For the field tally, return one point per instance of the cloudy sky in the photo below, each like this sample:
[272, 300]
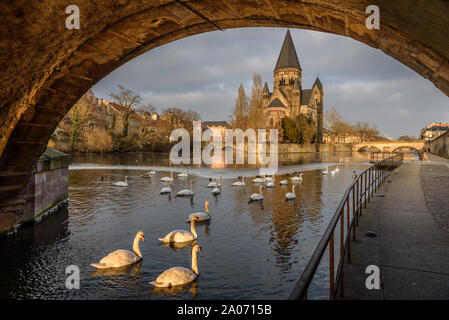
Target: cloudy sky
[203, 73]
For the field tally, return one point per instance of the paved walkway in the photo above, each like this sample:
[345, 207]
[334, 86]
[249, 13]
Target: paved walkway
[412, 243]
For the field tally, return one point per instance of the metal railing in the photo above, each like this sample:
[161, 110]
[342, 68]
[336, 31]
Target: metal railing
[379, 156]
[355, 198]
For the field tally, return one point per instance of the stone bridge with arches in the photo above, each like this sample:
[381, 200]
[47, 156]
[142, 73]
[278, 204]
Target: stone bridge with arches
[388, 146]
[45, 67]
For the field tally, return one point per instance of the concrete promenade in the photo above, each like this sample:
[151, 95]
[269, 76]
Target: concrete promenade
[411, 248]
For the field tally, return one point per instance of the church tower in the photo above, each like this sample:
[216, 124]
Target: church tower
[288, 98]
[288, 74]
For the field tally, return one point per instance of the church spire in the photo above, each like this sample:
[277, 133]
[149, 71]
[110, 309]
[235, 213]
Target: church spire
[288, 57]
[265, 88]
[318, 84]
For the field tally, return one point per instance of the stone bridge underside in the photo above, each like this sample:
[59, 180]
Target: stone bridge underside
[45, 68]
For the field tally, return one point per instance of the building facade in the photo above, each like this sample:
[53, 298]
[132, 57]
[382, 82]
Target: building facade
[433, 131]
[288, 98]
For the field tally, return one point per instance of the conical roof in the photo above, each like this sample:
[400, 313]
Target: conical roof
[288, 57]
[318, 84]
[265, 88]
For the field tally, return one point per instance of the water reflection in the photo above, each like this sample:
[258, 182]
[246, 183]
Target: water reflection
[132, 270]
[251, 251]
[177, 291]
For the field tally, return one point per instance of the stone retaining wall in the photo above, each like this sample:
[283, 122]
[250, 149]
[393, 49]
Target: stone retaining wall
[47, 190]
[439, 145]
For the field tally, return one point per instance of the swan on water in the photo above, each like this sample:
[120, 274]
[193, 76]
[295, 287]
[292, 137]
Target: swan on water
[239, 183]
[121, 183]
[201, 216]
[182, 235]
[215, 184]
[256, 196]
[176, 276]
[216, 191]
[269, 179]
[270, 184]
[183, 175]
[259, 180]
[168, 179]
[296, 178]
[186, 192]
[120, 258]
[152, 172]
[165, 190]
[283, 182]
[291, 195]
[337, 169]
[325, 171]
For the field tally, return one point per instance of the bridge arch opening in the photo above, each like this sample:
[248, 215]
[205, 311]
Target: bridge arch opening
[369, 149]
[50, 68]
[405, 149]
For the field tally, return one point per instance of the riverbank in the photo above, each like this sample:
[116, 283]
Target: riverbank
[411, 246]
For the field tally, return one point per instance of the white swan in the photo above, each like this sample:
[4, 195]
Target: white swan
[152, 172]
[216, 191]
[215, 184]
[182, 235]
[283, 182]
[259, 180]
[333, 172]
[325, 171]
[201, 216]
[256, 196]
[270, 184]
[183, 175]
[337, 169]
[121, 183]
[269, 179]
[165, 190]
[168, 179]
[296, 178]
[120, 258]
[176, 276]
[186, 192]
[291, 195]
[239, 183]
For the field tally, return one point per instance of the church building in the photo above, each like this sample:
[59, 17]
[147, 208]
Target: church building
[288, 98]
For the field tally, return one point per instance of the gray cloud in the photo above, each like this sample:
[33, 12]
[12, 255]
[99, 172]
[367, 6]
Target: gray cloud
[203, 73]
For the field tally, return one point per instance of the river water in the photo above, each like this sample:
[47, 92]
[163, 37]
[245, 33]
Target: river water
[249, 250]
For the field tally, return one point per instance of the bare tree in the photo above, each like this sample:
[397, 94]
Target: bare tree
[146, 108]
[255, 113]
[240, 113]
[127, 99]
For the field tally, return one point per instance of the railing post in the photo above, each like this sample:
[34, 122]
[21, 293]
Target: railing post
[348, 223]
[369, 184]
[354, 210]
[331, 267]
[342, 248]
[359, 197]
[364, 191]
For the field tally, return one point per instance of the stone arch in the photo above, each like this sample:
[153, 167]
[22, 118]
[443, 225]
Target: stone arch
[45, 68]
[405, 147]
[365, 148]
